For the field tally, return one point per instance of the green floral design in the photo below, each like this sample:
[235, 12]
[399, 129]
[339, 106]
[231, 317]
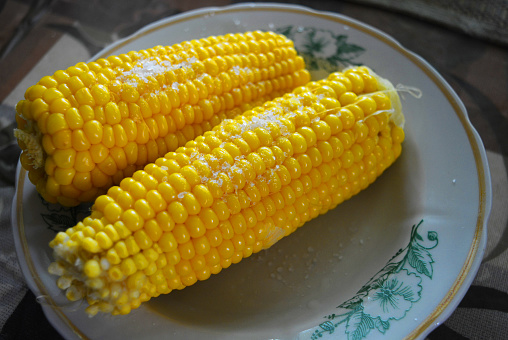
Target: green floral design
[322, 49]
[60, 218]
[388, 295]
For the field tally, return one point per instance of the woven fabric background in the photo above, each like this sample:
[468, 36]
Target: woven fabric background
[482, 19]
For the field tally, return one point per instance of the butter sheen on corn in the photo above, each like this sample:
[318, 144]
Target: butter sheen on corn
[232, 192]
[85, 128]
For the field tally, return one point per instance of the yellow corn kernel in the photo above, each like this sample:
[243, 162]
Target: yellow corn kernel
[128, 267]
[92, 269]
[142, 239]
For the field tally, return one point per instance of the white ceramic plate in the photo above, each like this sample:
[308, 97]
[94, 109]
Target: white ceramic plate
[337, 277]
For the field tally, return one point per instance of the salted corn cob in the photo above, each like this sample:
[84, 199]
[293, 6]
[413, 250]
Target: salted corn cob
[85, 128]
[232, 192]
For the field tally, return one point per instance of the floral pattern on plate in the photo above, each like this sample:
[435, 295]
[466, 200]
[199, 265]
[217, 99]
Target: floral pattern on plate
[59, 218]
[389, 294]
[322, 49]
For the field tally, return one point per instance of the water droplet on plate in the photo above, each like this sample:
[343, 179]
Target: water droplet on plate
[313, 304]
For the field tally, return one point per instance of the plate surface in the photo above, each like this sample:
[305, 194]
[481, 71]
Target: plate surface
[392, 262]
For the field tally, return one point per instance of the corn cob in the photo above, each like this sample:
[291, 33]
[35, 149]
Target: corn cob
[89, 126]
[232, 192]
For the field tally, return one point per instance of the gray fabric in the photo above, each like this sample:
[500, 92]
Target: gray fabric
[483, 19]
[12, 286]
